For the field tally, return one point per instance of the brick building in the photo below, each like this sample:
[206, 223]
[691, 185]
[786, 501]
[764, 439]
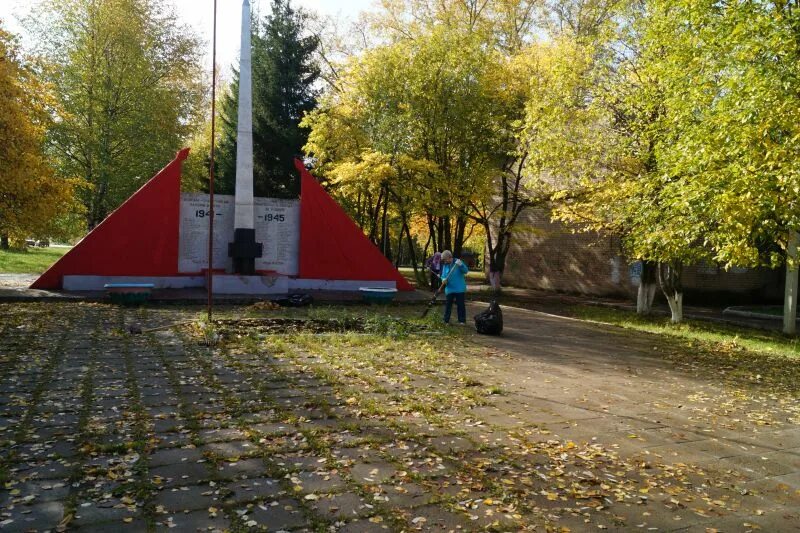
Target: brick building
[547, 255]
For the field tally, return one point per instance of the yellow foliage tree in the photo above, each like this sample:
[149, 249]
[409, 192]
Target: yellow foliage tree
[416, 128]
[32, 200]
[424, 125]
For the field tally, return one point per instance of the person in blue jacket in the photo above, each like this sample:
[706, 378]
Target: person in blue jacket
[455, 286]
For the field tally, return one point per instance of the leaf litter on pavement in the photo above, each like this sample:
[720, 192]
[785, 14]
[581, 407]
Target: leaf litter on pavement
[390, 424]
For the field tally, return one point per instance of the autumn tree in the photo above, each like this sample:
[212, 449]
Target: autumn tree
[426, 100]
[585, 20]
[284, 77]
[195, 172]
[510, 190]
[698, 119]
[33, 201]
[506, 25]
[506, 28]
[730, 74]
[442, 89]
[126, 75]
[359, 138]
[593, 128]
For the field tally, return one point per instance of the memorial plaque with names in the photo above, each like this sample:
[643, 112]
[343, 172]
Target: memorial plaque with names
[277, 225]
[193, 237]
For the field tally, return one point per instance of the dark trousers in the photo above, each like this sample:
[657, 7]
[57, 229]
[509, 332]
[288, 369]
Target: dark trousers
[435, 281]
[458, 297]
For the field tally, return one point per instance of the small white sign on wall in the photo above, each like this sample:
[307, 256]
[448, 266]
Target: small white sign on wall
[277, 225]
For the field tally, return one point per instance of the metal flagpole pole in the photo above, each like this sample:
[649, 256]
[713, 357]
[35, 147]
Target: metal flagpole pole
[210, 281]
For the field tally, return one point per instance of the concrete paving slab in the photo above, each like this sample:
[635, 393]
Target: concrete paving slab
[246, 490]
[197, 521]
[343, 506]
[188, 498]
[581, 406]
[278, 515]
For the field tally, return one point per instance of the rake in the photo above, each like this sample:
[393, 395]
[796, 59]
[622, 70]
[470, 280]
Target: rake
[438, 291]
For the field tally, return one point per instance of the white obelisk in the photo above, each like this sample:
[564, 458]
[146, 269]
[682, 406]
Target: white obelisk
[244, 249]
[244, 132]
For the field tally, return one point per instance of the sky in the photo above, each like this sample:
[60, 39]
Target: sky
[199, 15]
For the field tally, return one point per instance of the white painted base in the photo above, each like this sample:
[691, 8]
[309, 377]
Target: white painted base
[233, 284]
[97, 283]
[228, 283]
[337, 285]
[791, 286]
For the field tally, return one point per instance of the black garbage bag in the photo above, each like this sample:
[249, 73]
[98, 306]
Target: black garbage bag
[296, 300]
[490, 322]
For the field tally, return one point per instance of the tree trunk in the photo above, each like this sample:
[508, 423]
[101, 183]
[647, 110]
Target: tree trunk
[375, 214]
[790, 291]
[384, 243]
[360, 211]
[458, 237]
[497, 262]
[495, 280]
[98, 213]
[676, 307]
[501, 253]
[647, 288]
[431, 236]
[512, 204]
[4, 242]
[669, 277]
[424, 250]
[399, 256]
[411, 249]
[498, 251]
[491, 249]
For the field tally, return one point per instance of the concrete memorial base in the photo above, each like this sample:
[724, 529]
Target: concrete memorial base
[257, 285]
[301, 285]
[228, 284]
[97, 283]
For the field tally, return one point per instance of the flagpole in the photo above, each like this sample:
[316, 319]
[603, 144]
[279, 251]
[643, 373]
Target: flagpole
[210, 281]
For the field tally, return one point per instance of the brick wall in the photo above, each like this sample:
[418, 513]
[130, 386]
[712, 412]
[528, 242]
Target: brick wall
[547, 255]
[757, 284]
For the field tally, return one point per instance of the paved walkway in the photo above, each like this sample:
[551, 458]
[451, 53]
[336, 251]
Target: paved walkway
[585, 427]
[588, 383]
[17, 281]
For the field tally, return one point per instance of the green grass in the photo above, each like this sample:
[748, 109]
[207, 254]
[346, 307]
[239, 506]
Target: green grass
[772, 310]
[30, 261]
[712, 335]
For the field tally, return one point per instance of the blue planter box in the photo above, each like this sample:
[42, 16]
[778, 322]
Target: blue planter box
[129, 293]
[375, 295]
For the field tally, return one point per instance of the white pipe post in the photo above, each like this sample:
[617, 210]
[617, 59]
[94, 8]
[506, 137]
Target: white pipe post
[790, 291]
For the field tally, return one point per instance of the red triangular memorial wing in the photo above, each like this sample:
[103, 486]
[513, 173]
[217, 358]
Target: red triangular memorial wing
[332, 246]
[140, 238]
